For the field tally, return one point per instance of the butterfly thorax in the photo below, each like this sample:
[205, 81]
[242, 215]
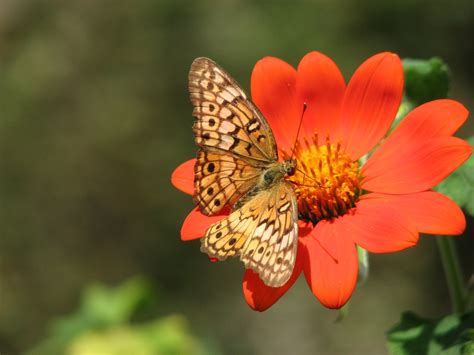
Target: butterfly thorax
[276, 172]
[271, 175]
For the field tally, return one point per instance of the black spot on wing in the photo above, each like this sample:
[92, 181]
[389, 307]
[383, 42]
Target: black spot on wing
[252, 125]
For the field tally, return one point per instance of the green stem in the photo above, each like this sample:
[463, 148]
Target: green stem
[452, 270]
[363, 256]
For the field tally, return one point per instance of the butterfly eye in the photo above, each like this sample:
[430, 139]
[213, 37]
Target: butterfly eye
[290, 170]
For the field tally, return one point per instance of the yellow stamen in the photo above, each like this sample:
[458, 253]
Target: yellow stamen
[326, 182]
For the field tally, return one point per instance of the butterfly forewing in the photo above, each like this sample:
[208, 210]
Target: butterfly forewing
[225, 118]
[263, 232]
[236, 142]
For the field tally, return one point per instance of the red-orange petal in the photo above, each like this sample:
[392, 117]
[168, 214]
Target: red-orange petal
[273, 91]
[321, 85]
[417, 166]
[196, 224]
[183, 177]
[379, 227]
[259, 296]
[434, 119]
[370, 103]
[331, 268]
[431, 212]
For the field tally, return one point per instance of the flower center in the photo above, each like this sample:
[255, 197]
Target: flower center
[326, 182]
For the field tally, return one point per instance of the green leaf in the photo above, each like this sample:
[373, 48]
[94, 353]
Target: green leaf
[415, 335]
[169, 335]
[101, 307]
[459, 186]
[104, 306]
[102, 326]
[112, 306]
[425, 80]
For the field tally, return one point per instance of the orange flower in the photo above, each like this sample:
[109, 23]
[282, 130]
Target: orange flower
[381, 205]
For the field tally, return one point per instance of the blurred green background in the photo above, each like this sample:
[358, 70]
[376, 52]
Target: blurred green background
[94, 116]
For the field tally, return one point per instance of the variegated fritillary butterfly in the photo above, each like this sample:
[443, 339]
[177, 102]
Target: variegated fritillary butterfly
[237, 166]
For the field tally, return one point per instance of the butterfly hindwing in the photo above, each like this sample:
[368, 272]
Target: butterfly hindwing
[271, 251]
[263, 232]
[225, 118]
[221, 179]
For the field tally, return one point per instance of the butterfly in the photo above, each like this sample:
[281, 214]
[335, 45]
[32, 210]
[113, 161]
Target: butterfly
[237, 168]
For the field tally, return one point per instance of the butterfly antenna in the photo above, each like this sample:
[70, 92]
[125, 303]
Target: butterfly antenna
[305, 106]
[309, 177]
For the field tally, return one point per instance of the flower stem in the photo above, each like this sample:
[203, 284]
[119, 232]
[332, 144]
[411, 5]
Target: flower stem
[452, 270]
[363, 275]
